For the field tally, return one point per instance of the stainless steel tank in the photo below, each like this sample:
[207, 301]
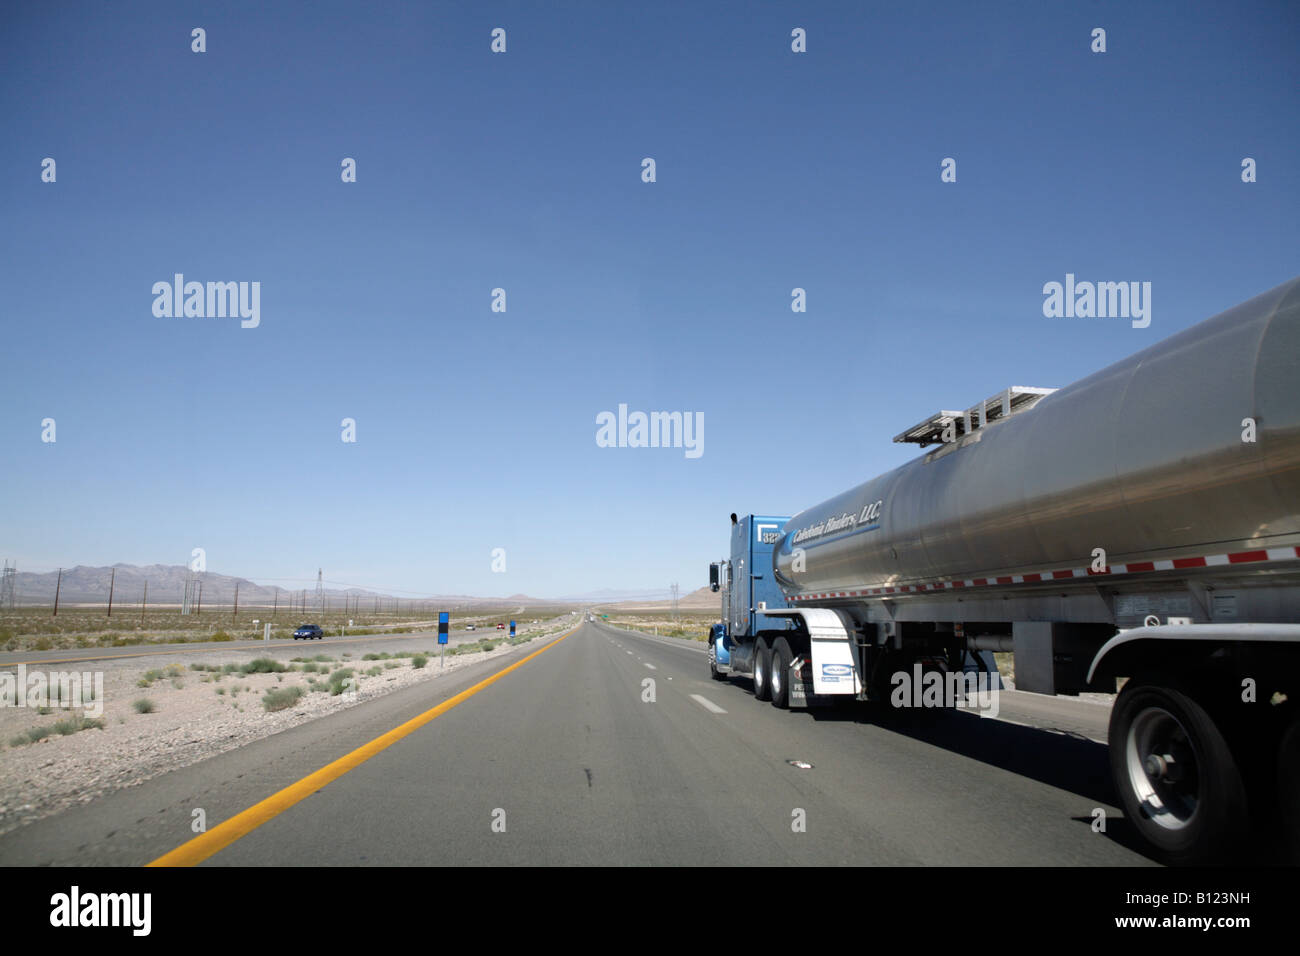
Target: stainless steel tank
[1144, 458]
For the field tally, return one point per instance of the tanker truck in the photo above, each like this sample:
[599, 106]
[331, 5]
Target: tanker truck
[1137, 531]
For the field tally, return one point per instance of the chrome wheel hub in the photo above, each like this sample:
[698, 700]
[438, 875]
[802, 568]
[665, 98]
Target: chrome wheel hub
[1162, 768]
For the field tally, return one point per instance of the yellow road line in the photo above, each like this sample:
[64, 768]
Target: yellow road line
[209, 646]
[241, 824]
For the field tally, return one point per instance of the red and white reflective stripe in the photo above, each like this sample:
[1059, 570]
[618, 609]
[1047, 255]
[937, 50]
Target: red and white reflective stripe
[1133, 567]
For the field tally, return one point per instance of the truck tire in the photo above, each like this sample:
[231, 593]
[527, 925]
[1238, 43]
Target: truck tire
[762, 671]
[1177, 780]
[780, 678]
[1288, 787]
[713, 664]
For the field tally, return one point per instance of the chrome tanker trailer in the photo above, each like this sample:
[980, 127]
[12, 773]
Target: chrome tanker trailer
[1142, 524]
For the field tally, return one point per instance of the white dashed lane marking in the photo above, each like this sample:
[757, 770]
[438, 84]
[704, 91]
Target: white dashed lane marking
[707, 704]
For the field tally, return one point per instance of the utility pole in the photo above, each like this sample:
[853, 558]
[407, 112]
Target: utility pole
[112, 579]
[276, 606]
[144, 600]
[9, 588]
[187, 600]
[235, 613]
[57, 586]
[199, 608]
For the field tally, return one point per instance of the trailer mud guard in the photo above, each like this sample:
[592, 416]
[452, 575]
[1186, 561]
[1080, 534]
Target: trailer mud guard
[830, 639]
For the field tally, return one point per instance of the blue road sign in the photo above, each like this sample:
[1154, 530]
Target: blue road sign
[443, 618]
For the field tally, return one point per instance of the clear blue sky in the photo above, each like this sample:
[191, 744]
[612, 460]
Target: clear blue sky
[476, 430]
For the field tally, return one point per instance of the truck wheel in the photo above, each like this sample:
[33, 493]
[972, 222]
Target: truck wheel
[713, 664]
[1288, 787]
[762, 669]
[1177, 780]
[781, 674]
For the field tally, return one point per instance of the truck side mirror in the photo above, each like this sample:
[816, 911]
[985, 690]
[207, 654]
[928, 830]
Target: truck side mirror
[713, 577]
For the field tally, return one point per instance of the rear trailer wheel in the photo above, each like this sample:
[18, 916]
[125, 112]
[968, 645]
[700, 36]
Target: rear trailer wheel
[781, 674]
[762, 666]
[1177, 780]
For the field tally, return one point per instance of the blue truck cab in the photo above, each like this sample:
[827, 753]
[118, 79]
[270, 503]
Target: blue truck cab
[745, 582]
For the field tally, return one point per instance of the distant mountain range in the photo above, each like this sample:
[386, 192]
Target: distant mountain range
[87, 585]
[612, 595]
[699, 599]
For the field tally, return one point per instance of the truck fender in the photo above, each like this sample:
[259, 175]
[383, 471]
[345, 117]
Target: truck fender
[1221, 633]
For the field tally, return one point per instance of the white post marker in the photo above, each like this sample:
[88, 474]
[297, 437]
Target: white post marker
[266, 631]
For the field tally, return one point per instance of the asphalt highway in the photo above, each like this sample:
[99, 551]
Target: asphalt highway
[611, 747]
